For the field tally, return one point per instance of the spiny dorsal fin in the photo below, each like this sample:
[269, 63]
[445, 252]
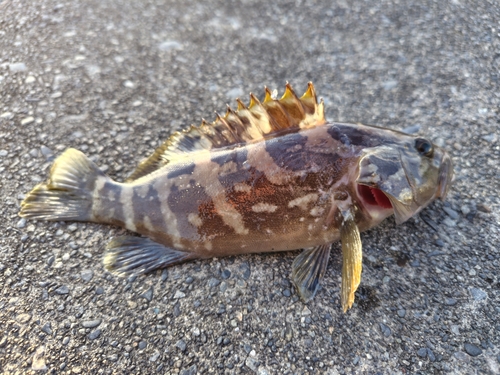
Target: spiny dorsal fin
[247, 124]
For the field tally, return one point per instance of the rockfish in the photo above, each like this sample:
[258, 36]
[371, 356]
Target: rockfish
[270, 176]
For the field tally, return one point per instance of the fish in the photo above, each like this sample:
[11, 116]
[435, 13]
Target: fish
[273, 175]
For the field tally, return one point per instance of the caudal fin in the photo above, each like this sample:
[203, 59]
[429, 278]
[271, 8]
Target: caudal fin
[67, 195]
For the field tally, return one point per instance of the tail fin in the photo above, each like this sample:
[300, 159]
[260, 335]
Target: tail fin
[67, 195]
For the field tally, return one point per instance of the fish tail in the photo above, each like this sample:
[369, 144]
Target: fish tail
[68, 193]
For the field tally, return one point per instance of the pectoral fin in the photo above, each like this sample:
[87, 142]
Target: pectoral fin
[351, 259]
[308, 270]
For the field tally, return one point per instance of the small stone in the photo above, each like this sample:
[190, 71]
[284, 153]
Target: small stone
[72, 227]
[142, 344]
[56, 95]
[29, 79]
[422, 352]
[178, 294]
[87, 275]
[94, 334]
[245, 270]
[21, 223]
[306, 311]
[389, 85]
[47, 328]
[23, 318]
[450, 301]
[356, 360]
[449, 222]
[164, 275]
[170, 45]
[472, 349]
[91, 323]
[65, 340]
[401, 313]
[451, 212]
[155, 356]
[478, 294]
[193, 370]
[65, 257]
[189, 280]
[18, 67]
[287, 293]
[213, 282]
[181, 344]
[386, 331]
[99, 290]
[226, 274]
[3, 153]
[27, 120]
[137, 103]
[252, 363]
[62, 290]
[412, 129]
[148, 294]
[128, 84]
[430, 355]
[46, 151]
[196, 331]
[465, 210]
[38, 362]
[439, 243]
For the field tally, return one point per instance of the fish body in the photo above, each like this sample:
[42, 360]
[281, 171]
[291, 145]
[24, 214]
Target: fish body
[272, 176]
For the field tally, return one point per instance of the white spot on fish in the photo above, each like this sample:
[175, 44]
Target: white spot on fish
[126, 199]
[242, 188]
[317, 211]
[208, 245]
[303, 201]
[195, 219]
[264, 207]
[142, 190]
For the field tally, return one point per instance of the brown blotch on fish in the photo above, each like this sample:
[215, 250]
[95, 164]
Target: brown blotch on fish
[272, 175]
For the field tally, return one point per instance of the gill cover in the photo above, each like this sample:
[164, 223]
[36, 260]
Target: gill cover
[403, 175]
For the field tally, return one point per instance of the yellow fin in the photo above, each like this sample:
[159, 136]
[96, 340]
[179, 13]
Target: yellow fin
[258, 120]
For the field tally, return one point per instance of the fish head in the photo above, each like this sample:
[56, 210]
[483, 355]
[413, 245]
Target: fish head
[406, 175]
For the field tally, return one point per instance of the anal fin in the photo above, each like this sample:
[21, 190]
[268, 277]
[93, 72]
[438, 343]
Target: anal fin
[139, 255]
[352, 255]
[308, 270]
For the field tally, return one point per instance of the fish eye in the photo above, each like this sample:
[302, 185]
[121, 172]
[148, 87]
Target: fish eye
[424, 147]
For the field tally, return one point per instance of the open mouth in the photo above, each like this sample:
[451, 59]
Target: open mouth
[373, 196]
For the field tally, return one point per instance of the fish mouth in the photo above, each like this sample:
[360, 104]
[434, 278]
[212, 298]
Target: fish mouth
[373, 197]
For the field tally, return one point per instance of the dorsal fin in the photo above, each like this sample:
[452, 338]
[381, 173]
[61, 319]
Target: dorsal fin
[247, 124]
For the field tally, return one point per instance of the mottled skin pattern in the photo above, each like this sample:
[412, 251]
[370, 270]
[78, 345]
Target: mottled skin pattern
[278, 194]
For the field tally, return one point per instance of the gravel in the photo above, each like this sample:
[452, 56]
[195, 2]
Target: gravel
[113, 79]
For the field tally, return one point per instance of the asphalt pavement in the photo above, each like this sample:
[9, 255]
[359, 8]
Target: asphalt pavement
[113, 78]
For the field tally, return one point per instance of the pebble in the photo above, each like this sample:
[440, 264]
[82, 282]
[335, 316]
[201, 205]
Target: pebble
[18, 67]
[189, 280]
[465, 210]
[142, 344]
[386, 331]
[178, 294]
[401, 313]
[226, 274]
[412, 129]
[450, 301]
[155, 356]
[193, 370]
[29, 79]
[27, 120]
[422, 352]
[451, 212]
[252, 363]
[72, 227]
[164, 275]
[46, 151]
[23, 318]
[389, 85]
[213, 282]
[169, 45]
[56, 95]
[91, 323]
[47, 328]
[449, 222]
[245, 270]
[461, 356]
[87, 275]
[287, 293]
[128, 84]
[62, 290]
[21, 223]
[38, 362]
[439, 242]
[181, 344]
[4, 153]
[94, 334]
[472, 349]
[478, 294]
[148, 294]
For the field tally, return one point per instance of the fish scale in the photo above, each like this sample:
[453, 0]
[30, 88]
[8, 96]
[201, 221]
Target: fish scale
[271, 176]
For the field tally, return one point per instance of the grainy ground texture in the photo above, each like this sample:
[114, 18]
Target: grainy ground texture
[113, 78]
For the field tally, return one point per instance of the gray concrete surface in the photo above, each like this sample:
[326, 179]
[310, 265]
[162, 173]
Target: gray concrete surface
[113, 78]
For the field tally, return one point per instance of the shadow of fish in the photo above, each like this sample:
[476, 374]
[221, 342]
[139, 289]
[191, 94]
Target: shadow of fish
[270, 176]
